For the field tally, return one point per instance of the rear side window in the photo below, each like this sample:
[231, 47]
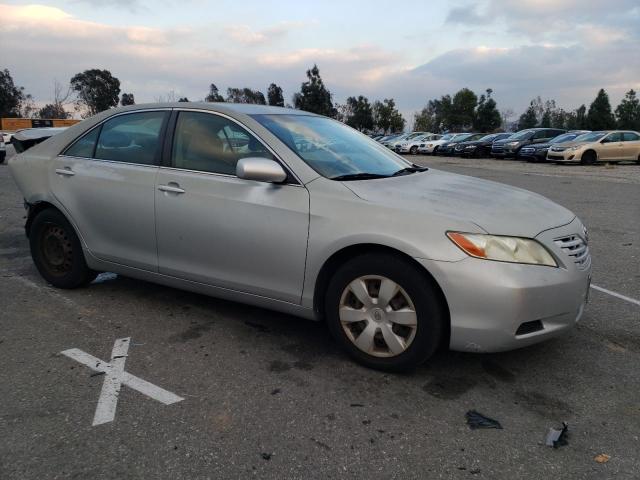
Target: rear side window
[210, 143]
[85, 146]
[131, 138]
[630, 137]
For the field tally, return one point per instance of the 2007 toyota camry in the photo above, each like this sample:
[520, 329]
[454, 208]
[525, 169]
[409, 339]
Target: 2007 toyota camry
[299, 213]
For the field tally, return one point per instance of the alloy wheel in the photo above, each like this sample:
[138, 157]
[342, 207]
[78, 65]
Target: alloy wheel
[378, 316]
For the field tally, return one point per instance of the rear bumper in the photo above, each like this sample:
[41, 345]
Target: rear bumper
[490, 301]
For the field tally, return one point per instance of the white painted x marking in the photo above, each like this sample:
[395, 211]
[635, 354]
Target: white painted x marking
[114, 377]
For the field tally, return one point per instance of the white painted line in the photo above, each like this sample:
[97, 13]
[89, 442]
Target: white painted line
[115, 377]
[617, 295]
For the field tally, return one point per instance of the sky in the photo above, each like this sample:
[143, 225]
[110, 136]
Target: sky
[411, 51]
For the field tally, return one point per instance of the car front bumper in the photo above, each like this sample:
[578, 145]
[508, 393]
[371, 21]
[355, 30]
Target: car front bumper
[564, 156]
[498, 306]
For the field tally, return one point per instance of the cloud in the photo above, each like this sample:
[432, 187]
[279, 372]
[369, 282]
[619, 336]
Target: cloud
[248, 36]
[550, 19]
[43, 43]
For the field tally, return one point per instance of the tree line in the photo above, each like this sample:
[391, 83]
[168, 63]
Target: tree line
[95, 90]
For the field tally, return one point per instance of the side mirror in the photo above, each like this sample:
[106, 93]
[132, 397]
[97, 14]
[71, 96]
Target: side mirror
[260, 170]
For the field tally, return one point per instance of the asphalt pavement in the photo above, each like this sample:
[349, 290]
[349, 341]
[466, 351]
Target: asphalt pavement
[267, 395]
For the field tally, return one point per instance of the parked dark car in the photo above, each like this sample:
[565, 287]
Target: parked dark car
[448, 149]
[509, 147]
[482, 146]
[538, 152]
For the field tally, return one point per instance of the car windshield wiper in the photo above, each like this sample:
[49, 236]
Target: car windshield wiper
[412, 169]
[358, 176]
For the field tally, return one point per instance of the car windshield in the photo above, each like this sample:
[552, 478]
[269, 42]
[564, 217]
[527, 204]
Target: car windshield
[448, 136]
[331, 148]
[590, 137]
[463, 136]
[486, 138]
[565, 137]
[521, 135]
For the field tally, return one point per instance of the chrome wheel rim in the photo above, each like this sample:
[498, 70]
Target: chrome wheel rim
[378, 316]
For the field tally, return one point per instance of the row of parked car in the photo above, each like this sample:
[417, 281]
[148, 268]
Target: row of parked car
[532, 144]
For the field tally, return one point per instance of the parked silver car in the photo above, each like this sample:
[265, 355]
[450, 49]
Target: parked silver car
[299, 213]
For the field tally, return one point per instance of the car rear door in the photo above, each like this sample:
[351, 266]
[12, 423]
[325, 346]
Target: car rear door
[631, 146]
[106, 183]
[611, 147]
[218, 229]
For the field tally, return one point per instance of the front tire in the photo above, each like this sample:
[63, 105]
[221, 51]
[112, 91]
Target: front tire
[413, 150]
[57, 252]
[589, 158]
[385, 312]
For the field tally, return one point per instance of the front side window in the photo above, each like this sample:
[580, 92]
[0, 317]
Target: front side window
[85, 145]
[542, 134]
[614, 137]
[131, 138]
[331, 148]
[211, 143]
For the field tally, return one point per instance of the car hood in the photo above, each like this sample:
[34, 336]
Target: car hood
[497, 208]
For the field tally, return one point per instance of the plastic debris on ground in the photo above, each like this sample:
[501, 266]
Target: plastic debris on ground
[602, 458]
[476, 420]
[558, 437]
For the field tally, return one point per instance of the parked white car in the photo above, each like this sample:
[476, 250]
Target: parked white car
[432, 147]
[411, 146]
[395, 144]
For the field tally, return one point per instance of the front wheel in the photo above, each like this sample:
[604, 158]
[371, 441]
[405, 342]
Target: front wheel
[57, 252]
[588, 158]
[413, 150]
[385, 312]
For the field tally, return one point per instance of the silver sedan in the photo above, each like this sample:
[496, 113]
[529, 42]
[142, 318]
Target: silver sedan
[299, 213]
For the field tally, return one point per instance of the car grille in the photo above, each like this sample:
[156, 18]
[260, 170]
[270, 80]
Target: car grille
[577, 249]
[497, 148]
[528, 150]
[555, 157]
[558, 149]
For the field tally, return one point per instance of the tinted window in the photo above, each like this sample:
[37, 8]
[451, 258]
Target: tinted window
[630, 137]
[543, 134]
[131, 138]
[85, 146]
[211, 143]
[521, 135]
[614, 137]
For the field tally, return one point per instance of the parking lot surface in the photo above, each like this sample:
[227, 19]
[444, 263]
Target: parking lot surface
[271, 396]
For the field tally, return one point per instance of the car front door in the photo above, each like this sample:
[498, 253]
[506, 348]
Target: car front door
[631, 146]
[218, 229]
[611, 147]
[106, 183]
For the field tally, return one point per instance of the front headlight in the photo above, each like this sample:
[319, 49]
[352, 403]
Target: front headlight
[512, 144]
[430, 145]
[574, 148]
[502, 248]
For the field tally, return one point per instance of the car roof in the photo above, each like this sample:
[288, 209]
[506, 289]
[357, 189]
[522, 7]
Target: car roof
[222, 107]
